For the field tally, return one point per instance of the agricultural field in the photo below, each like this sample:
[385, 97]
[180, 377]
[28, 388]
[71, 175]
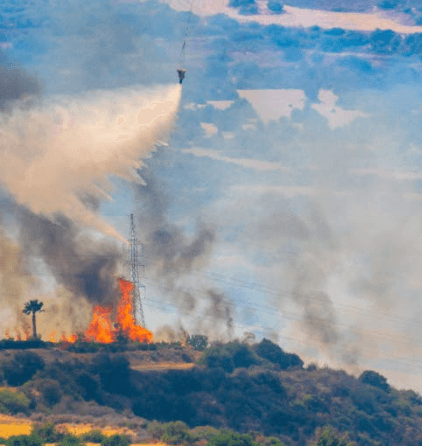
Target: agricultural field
[14, 426]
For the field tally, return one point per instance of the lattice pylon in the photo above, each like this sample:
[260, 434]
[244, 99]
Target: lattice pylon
[139, 290]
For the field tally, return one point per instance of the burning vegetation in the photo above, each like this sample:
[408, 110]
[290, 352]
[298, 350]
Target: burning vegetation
[102, 328]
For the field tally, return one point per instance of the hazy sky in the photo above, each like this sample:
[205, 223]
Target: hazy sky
[287, 202]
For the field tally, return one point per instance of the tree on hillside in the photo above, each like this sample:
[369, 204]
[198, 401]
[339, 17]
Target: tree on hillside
[374, 379]
[22, 368]
[230, 438]
[273, 353]
[327, 437]
[33, 307]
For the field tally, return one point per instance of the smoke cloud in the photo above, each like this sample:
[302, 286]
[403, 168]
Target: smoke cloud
[171, 257]
[56, 154]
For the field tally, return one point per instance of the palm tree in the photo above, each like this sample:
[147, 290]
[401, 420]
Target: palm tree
[33, 306]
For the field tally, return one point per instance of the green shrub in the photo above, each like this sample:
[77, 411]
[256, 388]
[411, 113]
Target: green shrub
[269, 441]
[217, 356]
[47, 432]
[242, 354]
[24, 440]
[89, 385]
[273, 353]
[175, 432]
[155, 429]
[13, 402]
[229, 356]
[11, 344]
[230, 438]
[51, 392]
[197, 342]
[327, 437]
[374, 379]
[22, 368]
[116, 440]
[70, 440]
[94, 436]
[203, 433]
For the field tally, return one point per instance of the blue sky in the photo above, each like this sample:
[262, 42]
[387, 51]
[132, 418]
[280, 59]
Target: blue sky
[287, 200]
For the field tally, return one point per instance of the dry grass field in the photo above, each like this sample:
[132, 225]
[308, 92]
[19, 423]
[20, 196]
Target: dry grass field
[10, 426]
[79, 429]
[164, 366]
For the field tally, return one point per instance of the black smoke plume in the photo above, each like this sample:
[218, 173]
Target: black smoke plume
[171, 257]
[87, 267]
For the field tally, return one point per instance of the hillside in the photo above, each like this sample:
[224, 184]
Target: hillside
[258, 388]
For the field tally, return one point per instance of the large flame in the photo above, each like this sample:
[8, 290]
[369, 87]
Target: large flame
[125, 317]
[101, 329]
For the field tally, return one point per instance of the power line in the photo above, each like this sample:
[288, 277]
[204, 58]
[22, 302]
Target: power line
[273, 291]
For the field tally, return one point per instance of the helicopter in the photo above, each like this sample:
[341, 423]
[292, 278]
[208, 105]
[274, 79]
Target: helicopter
[181, 73]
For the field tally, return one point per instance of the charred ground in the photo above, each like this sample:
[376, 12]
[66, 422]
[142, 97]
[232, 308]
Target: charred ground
[246, 388]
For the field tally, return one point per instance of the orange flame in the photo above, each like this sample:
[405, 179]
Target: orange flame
[125, 317]
[72, 338]
[26, 330]
[101, 329]
[8, 334]
[18, 334]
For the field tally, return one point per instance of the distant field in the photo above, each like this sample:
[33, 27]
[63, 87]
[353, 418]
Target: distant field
[164, 366]
[10, 426]
[78, 429]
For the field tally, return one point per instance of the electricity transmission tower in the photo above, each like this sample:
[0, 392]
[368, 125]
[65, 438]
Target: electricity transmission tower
[139, 289]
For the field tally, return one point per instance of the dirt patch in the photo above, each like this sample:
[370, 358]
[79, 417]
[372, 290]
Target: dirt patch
[164, 366]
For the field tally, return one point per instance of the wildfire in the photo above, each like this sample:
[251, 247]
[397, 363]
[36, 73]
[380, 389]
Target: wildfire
[71, 338]
[102, 329]
[125, 317]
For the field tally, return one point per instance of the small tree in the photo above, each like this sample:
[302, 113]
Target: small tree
[24, 440]
[230, 438]
[47, 432]
[374, 379]
[116, 440]
[175, 432]
[327, 437]
[22, 368]
[93, 436]
[197, 342]
[33, 307]
[70, 440]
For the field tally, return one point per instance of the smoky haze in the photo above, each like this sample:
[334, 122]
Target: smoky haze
[58, 156]
[172, 255]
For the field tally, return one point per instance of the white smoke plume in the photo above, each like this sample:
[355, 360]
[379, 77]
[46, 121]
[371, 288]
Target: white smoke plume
[57, 151]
